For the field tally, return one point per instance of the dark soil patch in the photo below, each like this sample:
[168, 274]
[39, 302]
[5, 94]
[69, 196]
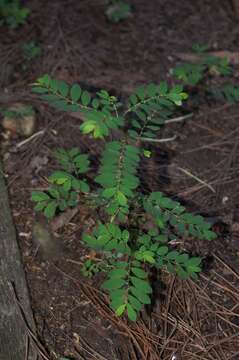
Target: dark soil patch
[79, 44]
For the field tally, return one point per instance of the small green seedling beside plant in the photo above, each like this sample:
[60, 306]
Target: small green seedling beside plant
[128, 247]
[31, 50]
[12, 13]
[65, 184]
[207, 66]
[118, 10]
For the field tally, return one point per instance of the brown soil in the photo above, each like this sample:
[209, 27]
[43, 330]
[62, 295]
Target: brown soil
[191, 320]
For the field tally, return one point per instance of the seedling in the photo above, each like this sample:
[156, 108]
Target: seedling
[193, 73]
[118, 10]
[12, 13]
[208, 66]
[65, 184]
[200, 48]
[31, 50]
[127, 247]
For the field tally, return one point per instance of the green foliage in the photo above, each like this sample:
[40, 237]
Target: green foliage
[12, 13]
[128, 288]
[190, 74]
[108, 237]
[207, 67]
[118, 10]
[152, 251]
[230, 92]
[218, 66]
[149, 107]
[31, 50]
[100, 113]
[91, 267]
[193, 73]
[72, 161]
[56, 198]
[127, 249]
[200, 48]
[167, 212]
[117, 176]
[64, 185]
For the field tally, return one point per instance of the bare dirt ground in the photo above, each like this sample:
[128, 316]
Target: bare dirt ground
[190, 320]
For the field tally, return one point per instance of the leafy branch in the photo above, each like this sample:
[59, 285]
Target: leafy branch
[64, 185]
[100, 113]
[117, 176]
[150, 106]
[126, 248]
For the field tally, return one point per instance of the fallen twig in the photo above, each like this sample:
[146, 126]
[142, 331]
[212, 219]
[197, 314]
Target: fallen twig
[232, 56]
[197, 179]
[158, 140]
[24, 142]
[179, 118]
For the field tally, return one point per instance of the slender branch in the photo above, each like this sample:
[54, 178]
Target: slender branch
[179, 118]
[158, 140]
[197, 179]
[41, 132]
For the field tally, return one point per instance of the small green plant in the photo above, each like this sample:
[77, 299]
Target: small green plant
[193, 73]
[200, 48]
[12, 13]
[127, 247]
[65, 184]
[118, 10]
[31, 50]
[230, 92]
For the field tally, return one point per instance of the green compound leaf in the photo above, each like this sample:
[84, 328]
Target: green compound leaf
[100, 114]
[166, 211]
[108, 238]
[117, 175]
[150, 106]
[190, 74]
